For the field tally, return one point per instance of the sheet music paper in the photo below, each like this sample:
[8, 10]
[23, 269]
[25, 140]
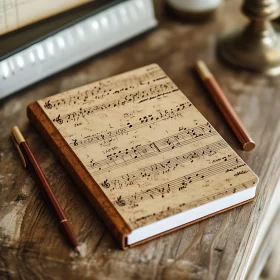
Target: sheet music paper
[15, 14]
[145, 144]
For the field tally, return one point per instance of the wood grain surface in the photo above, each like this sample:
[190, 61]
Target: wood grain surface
[31, 245]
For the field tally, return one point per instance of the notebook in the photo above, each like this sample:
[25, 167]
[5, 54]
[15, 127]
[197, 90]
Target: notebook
[143, 155]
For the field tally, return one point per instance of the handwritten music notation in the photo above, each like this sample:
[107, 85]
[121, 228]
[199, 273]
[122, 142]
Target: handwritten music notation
[102, 89]
[140, 96]
[168, 211]
[146, 146]
[129, 156]
[147, 120]
[163, 167]
[178, 184]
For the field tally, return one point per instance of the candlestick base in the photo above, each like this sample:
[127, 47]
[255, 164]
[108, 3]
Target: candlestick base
[257, 47]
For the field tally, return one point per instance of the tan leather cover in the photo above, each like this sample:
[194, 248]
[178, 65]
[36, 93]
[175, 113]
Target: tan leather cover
[84, 180]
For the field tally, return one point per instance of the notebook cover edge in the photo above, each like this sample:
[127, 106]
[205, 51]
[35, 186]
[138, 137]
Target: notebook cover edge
[73, 166]
[192, 222]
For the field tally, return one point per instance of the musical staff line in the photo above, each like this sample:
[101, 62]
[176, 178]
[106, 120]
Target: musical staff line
[105, 88]
[161, 90]
[143, 122]
[166, 144]
[177, 184]
[164, 166]
[145, 145]
[173, 210]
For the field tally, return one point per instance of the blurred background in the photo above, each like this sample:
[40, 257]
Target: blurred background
[51, 46]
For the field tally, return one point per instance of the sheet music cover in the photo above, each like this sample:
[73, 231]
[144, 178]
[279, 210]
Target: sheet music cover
[149, 149]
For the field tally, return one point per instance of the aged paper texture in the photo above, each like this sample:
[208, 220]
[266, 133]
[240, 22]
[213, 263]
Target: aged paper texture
[145, 144]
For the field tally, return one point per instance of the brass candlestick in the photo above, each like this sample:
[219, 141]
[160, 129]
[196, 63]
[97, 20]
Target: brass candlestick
[257, 46]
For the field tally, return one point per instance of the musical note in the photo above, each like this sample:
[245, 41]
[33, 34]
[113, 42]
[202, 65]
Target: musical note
[129, 156]
[141, 123]
[184, 206]
[178, 184]
[139, 96]
[103, 89]
[164, 166]
[145, 145]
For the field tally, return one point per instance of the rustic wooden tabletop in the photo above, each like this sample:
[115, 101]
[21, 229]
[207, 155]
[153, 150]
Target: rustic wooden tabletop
[31, 245]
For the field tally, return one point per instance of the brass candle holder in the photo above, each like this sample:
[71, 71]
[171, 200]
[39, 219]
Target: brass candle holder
[257, 46]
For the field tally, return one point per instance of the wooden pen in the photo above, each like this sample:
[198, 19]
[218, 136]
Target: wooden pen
[225, 107]
[30, 162]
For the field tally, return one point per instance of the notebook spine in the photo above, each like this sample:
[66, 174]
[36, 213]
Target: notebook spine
[79, 174]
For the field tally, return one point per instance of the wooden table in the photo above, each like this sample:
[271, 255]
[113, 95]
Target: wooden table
[222, 247]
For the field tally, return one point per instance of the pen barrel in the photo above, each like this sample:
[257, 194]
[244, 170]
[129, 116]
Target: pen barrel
[229, 113]
[68, 229]
[47, 192]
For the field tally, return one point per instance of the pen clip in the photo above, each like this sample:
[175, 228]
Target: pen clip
[15, 140]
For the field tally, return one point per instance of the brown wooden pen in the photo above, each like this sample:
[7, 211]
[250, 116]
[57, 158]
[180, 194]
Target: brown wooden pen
[30, 162]
[225, 107]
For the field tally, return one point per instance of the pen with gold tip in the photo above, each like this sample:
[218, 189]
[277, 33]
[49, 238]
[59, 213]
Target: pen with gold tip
[224, 105]
[30, 162]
